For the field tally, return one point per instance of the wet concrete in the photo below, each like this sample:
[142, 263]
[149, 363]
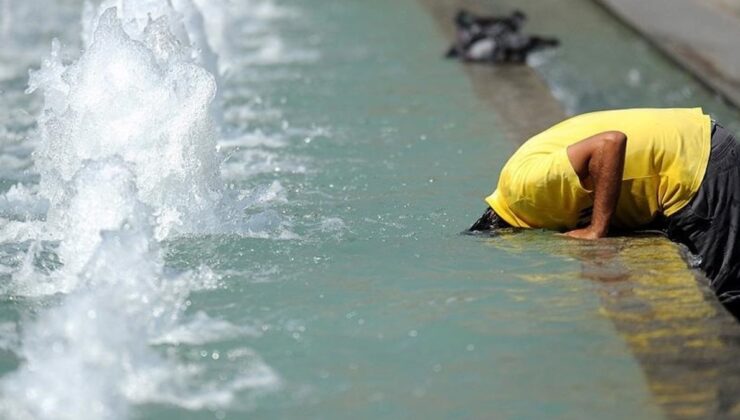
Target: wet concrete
[685, 341]
[701, 35]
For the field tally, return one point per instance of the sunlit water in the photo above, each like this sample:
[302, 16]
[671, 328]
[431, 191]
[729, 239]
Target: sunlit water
[252, 208]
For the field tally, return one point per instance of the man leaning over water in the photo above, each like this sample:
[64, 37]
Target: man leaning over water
[671, 169]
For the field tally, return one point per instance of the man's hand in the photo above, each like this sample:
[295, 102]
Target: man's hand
[599, 163]
[585, 233]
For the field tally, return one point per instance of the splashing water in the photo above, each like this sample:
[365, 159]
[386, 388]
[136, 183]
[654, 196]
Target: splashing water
[89, 358]
[126, 158]
[143, 101]
[184, 20]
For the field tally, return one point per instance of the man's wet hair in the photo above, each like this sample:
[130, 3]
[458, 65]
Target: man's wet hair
[488, 222]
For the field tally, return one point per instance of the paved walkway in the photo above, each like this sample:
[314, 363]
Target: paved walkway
[701, 35]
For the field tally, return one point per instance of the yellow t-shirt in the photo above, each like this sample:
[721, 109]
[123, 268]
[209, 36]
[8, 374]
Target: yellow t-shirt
[666, 157]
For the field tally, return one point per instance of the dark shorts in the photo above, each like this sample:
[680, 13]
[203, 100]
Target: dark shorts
[710, 224]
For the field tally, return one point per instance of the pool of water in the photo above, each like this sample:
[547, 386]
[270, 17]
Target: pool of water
[336, 281]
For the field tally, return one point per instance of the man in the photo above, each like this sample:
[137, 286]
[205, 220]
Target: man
[672, 169]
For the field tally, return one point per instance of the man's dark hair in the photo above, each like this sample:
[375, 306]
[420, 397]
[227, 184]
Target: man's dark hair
[489, 221]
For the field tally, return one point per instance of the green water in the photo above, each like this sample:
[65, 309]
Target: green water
[368, 302]
[396, 314]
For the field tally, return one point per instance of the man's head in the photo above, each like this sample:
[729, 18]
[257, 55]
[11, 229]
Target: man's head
[489, 221]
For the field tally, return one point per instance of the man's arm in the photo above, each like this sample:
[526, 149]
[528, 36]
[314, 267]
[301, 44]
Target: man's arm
[599, 163]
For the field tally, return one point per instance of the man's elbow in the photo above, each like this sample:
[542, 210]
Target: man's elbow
[614, 138]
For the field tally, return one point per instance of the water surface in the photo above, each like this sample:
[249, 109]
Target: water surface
[346, 288]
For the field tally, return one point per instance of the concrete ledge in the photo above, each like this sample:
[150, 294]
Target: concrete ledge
[703, 36]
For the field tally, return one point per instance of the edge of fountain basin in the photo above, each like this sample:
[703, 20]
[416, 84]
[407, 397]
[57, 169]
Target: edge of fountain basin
[696, 35]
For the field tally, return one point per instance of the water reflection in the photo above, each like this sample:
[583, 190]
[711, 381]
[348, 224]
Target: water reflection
[686, 343]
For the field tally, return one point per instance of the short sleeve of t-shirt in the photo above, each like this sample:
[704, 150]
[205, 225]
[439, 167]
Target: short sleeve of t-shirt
[542, 190]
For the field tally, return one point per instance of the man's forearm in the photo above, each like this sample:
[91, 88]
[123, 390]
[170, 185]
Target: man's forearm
[606, 167]
[599, 163]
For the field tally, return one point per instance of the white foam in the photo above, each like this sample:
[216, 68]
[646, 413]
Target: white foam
[226, 391]
[254, 139]
[126, 157]
[21, 202]
[73, 353]
[89, 357]
[12, 231]
[183, 18]
[143, 102]
[201, 329]
[275, 192]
